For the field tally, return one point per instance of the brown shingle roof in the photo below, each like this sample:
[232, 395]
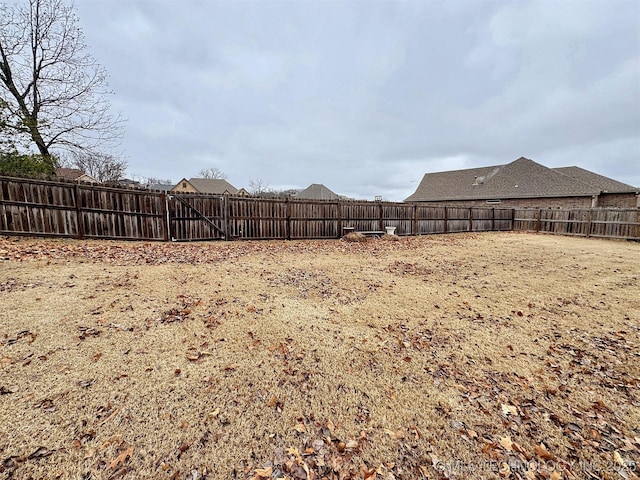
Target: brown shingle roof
[213, 185]
[605, 184]
[522, 178]
[69, 173]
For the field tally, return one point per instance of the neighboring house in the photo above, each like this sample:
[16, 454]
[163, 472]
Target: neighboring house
[612, 192]
[75, 175]
[127, 183]
[317, 191]
[160, 186]
[291, 192]
[205, 185]
[524, 183]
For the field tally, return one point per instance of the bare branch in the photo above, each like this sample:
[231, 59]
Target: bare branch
[258, 187]
[56, 94]
[104, 168]
[212, 172]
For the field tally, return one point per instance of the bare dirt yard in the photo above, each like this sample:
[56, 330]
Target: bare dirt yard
[496, 355]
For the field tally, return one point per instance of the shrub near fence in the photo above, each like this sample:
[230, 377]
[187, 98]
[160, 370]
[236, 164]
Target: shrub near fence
[62, 209]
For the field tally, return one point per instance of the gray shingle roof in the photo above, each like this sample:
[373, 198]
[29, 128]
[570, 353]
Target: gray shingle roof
[160, 186]
[605, 184]
[317, 191]
[522, 178]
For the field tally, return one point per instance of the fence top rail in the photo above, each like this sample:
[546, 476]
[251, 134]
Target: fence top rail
[106, 188]
[61, 182]
[38, 181]
[594, 209]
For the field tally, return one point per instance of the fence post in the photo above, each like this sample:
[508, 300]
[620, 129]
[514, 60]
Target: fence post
[539, 212]
[225, 215]
[380, 219]
[339, 218]
[288, 226]
[79, 216]
[493, 219]
[415, 220]
[165, 217]
[471, 219]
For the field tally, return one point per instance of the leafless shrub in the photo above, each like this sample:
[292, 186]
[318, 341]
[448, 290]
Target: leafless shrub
[354, 237]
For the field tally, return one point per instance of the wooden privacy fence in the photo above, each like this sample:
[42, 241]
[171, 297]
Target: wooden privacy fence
[623, 224]
[31, 207]
[80, 211]
[206, 217]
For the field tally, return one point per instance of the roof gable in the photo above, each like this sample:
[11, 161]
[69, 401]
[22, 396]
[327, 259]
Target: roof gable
[215, 186]
[74, 174]
[317, 191]
[522, 178]
[69, 173]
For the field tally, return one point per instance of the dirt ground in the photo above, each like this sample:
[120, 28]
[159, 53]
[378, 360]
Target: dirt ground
[494, 355]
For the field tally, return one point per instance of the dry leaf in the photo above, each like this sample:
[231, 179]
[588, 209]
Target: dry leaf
[518, 448]
[264, 472]
[368, 473]
[542, 452]
[506, 443]
[509, 410]
[120, 459]
[352, 444]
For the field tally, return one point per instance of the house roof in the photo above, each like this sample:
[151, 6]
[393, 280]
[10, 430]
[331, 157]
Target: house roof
[160, 186]
[74, 174]
[317, 191]
[69, 173]
[522, 178]
[216, 186]
[605, 184]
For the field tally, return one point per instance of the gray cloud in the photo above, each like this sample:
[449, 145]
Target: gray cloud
[366, 97]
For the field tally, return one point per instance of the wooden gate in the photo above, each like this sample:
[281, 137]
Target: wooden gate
[197, 217]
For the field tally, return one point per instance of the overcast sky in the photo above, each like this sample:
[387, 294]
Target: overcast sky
[368, 96]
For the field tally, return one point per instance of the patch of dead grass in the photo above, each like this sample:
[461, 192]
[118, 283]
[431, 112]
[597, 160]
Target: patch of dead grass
[355, 237]
[399, 359]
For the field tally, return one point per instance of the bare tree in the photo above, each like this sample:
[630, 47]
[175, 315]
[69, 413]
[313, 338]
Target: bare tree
[144, 180]
[55, 94]
[7, 142]
[258, 187]
[212, 172]
[104, 168]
